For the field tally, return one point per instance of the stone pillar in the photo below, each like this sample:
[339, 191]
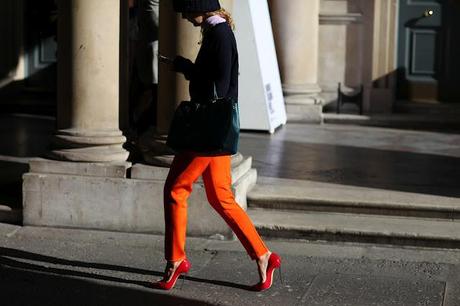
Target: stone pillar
[296, 30]
[124, 66]
[88, 82]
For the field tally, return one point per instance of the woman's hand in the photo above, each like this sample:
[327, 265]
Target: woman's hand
[182, 64]
[165, 59]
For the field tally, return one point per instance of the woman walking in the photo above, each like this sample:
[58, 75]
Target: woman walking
[215, 71]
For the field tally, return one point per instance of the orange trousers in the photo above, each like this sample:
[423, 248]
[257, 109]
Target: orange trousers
[186, 168]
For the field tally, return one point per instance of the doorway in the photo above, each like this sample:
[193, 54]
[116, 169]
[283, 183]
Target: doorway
[41, 45]
[428, 45]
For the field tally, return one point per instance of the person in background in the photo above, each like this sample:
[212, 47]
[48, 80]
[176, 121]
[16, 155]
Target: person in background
[143, 32]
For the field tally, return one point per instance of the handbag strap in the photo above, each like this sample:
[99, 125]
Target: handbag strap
[216, 97]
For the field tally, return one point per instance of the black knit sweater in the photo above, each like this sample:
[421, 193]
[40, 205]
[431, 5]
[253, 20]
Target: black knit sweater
[216, 63]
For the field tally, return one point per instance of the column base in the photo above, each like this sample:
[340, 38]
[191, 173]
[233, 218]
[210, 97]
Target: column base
[304, 113]
[89, 146]
[154, 150]
[303, 103]
[101, 196]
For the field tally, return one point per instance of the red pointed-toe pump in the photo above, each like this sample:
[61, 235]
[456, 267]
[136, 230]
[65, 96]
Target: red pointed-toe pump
[274, 262]
[183, 267]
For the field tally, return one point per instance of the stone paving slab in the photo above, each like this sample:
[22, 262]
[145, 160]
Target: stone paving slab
[357, 290]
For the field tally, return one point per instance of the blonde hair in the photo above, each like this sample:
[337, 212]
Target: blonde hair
[224, 14]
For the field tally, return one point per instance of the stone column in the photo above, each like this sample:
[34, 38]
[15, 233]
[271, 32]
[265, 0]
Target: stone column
[88, 81]
[124, 66]
[296, 30]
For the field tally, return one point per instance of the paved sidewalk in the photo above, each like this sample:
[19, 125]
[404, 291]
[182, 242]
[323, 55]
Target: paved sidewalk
[43, 266]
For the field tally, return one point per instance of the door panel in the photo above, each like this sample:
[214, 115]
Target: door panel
[423, 52]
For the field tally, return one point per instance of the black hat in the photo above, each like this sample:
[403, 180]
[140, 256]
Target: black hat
[196, 6]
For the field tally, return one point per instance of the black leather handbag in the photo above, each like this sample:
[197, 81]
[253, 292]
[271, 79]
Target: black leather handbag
[210, 128]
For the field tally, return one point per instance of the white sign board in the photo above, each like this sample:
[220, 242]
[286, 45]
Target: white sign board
[261, 98]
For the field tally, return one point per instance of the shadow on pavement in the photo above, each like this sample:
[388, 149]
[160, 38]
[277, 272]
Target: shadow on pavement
[6, 253]
[23, 285]
[14, 259]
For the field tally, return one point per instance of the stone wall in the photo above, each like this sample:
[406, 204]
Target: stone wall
[341, 46]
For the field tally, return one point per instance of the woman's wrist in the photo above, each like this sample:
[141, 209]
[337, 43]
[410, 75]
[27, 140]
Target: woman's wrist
[182, 64]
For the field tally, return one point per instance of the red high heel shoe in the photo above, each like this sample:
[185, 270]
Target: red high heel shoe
[274, 262]
[183, 267]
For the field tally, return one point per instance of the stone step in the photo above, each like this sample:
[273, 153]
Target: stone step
[356, 228]
[409, 121]
[428, 109]
[284, 194]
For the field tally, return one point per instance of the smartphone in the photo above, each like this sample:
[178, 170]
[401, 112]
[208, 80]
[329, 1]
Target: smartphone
[165, 59]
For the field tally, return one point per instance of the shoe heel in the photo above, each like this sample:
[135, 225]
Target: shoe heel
[183, 280]
[281, 275]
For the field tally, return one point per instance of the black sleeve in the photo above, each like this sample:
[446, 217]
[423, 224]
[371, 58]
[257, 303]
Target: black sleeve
[185, 66]
[213, 65]
[223, 53]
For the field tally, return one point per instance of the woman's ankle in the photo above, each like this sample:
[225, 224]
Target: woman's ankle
[264, 256]
[174, 262]
[171, 267]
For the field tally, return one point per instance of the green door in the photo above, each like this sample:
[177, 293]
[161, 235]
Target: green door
[427, 50]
